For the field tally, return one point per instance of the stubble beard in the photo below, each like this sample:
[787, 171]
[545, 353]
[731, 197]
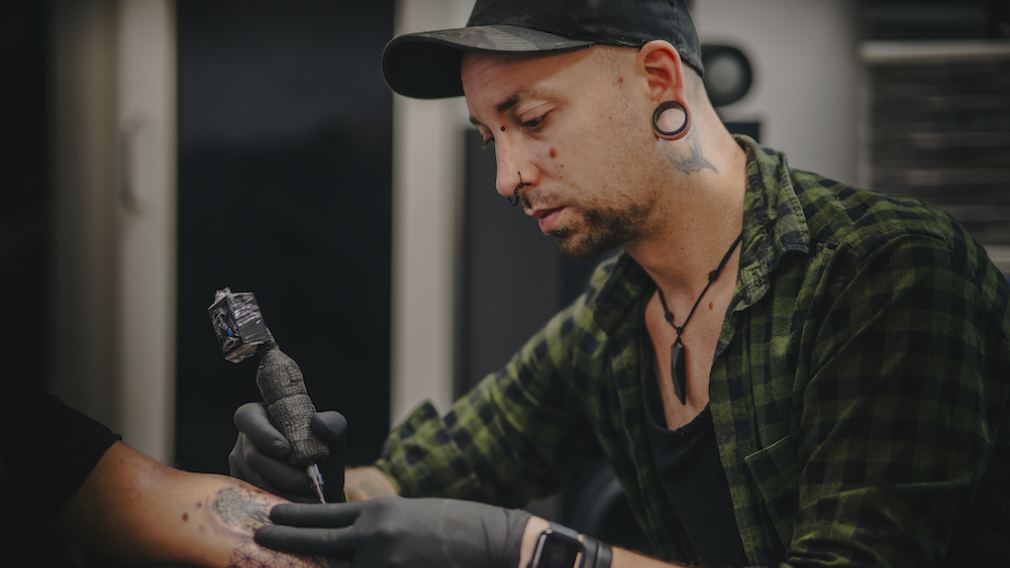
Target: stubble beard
[604, 229]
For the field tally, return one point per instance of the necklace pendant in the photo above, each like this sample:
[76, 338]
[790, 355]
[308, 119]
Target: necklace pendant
[678, 372]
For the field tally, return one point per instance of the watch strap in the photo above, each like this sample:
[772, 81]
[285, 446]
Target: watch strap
[563, 530]
[554, 529]
[595, 553]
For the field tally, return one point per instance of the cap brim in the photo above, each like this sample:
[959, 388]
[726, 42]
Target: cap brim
[426, 65]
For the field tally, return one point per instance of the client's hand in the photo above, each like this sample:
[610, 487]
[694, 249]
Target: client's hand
[260, 451]
[399, 532]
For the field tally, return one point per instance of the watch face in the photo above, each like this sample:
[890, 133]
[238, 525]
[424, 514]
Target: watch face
[556, 551]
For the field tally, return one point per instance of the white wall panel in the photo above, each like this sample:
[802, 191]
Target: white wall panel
[427, 173]
[806, 91]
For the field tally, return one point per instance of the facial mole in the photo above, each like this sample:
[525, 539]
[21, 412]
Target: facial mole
[503, 128]
[711, 306]
[198, 505]
[554, 153]
[185, 517]
[620, 79]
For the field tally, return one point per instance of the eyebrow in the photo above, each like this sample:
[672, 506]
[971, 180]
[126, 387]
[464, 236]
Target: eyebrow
[501, 107]
[507, 103]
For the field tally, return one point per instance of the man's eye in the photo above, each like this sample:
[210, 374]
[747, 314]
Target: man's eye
[534, 122]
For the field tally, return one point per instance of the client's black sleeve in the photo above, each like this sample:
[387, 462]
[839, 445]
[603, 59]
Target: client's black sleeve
[47, 444]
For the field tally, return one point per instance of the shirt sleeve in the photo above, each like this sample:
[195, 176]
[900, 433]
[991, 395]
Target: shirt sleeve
[901, 415]
[48, 445]
[512, 438]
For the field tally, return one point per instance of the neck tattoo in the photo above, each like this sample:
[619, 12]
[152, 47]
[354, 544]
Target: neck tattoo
[677, 355]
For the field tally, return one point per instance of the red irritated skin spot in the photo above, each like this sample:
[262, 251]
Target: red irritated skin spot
[554, 153]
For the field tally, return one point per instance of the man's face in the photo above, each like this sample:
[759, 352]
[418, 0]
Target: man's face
[575, 128]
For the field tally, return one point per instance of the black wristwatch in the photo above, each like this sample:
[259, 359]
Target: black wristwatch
[557, 547]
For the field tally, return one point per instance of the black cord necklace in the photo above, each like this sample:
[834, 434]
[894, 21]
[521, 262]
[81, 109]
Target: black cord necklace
[677, 370]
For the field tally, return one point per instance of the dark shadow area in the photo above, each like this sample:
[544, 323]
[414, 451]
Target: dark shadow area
[29, 537]
[285, 136]
[24, 217]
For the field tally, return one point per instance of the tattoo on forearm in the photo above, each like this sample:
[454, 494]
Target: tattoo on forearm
[367, 483]
[248, 555]
[695, 160]
[240, 509]
[234, 513]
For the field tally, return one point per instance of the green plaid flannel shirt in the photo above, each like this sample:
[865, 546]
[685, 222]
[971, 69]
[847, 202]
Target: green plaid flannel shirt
[858, 391]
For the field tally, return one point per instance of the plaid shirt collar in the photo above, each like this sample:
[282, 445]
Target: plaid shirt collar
[773, 225]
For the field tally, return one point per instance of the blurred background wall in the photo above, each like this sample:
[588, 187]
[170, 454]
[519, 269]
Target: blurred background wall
[285, 161]
[160, 149]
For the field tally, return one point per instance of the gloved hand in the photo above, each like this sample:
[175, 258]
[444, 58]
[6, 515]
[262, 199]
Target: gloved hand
[397, 532]
[260, 451]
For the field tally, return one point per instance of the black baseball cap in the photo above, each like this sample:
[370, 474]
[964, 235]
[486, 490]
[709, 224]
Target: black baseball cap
[426, 65]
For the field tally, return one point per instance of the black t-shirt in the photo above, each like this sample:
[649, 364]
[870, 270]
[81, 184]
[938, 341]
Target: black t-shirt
[48, 445]
[688, 466]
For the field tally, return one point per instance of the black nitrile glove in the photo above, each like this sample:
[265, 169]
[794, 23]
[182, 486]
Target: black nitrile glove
[260, 451]
[395, 532]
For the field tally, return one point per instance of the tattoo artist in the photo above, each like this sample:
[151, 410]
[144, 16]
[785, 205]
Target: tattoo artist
[783, 369]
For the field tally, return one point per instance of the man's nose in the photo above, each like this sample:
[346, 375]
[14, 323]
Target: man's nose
[512, 172]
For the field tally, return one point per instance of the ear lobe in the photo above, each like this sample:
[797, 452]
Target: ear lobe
[663, 68]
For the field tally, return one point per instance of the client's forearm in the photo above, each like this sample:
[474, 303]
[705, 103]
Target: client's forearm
[134, 510]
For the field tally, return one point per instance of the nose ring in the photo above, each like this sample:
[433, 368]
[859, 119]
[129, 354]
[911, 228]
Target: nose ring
[514, 200]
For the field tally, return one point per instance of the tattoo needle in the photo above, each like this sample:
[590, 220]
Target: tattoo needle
[317, 480]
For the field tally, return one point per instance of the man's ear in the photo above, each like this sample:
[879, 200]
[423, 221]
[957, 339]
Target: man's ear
[660, 63]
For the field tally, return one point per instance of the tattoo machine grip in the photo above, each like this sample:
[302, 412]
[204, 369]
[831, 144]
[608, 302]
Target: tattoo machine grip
[288, 404]
[241, 332]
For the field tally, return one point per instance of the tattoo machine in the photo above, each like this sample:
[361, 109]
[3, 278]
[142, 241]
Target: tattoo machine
[240, 330]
